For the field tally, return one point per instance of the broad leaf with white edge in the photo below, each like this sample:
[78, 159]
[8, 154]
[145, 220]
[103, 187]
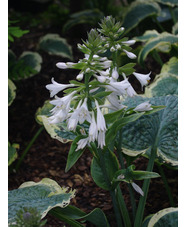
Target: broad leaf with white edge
[33, 60]
[164, 84]
[11, 92]
[55, 45]
[164, 39]
[57, 131]
[138, 11]
[43, 196]
[160, 128]
[166, 217]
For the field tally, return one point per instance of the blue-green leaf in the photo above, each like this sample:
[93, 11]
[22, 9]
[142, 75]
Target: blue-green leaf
[160, 128]
[166, 217]
[43, 196]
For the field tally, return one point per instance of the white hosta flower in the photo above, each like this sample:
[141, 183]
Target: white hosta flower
[129, 42]
[58, 117]
[130, 54]
[115, 102]
[118, 87]
[101, 79]
[84, 113]
[62, 103]
[100, 118]
[145, 106]
[143, 78]
[82, 143]
[104, 73]
[101, 139]
[63, 65]
[115, 74]
[55, 87]
[137, 188]
[130, 90]
[93, 130]
[80, 76]
[73, 120]
[106, 64]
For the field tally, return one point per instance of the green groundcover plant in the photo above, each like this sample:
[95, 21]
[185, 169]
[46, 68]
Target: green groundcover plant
[93, 113]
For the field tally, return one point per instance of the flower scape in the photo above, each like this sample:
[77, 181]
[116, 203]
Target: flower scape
[105, 84]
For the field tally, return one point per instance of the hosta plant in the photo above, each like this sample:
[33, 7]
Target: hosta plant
[93, 113]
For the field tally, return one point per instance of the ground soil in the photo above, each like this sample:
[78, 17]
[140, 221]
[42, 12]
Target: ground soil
[47, 157]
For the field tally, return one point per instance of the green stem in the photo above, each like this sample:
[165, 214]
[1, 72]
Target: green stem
[166, 186]
[28, 147]
[123, 208]
[159, 25]
[112, 193]
[157, 57]
[121, 161]
[172, 15]
[145, 188]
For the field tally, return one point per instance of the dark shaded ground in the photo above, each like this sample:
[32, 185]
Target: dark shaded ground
[47, 157]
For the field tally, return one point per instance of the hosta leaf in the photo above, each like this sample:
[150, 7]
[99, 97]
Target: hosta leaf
[138, 11]
[147, 35]
[43, 196]
[43, 111]
[164, 84]
[11, 92]
[96, 217]
[162, 39]
[166, 217]
[12, 153]
[55, 45]
[74, 155]
[160, 127]
[56, 131]
[111, 164]
[168, 2]
[92, 16]
[33, 60]
[175, 29]
[171, 66]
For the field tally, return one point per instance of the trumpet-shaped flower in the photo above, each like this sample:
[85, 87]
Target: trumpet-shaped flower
[82, 143]
[115, 102]
[137, 188]
[55, 87]
[129, 42]
[100, 118]
[80, 115]
[101, 139]
[106, 64]
[62, 103]
[115, 74]
[130, 54]
[145, 106]
[101, 79]
[130, 90]
[93, 130]
[143, 78]
[63, 65]
[118, 87]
